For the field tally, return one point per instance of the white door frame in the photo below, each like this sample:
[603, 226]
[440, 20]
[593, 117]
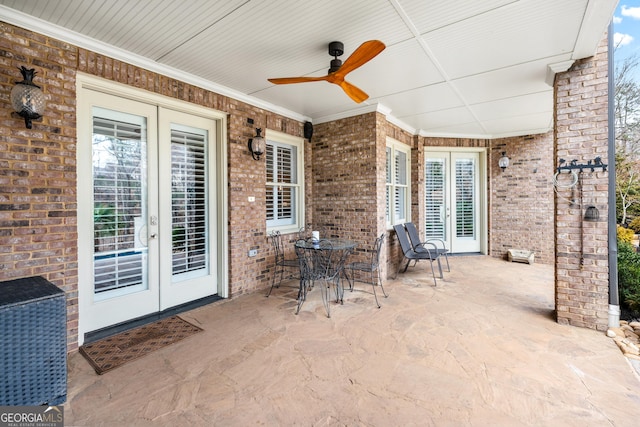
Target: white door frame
[482, 186]
[84, 85]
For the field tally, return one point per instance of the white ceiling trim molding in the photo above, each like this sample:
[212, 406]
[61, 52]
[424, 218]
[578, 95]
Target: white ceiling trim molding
[378, 108]
[405, 127]
[452, 135]
[558, 67]
[594, 17]
[535, 131]
[39, 26]
[370, 108]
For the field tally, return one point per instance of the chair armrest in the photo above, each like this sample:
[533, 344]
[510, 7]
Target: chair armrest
[439, 241]
[427, 246]
[427, 243]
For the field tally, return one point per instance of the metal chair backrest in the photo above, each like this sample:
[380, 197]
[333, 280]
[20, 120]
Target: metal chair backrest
[323, 260]
[315, 259]
[401, 232]
[413, 234]
[276, 242]
[377, 247]
[304, 261]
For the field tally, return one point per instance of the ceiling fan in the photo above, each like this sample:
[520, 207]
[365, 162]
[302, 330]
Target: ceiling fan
[363, 54]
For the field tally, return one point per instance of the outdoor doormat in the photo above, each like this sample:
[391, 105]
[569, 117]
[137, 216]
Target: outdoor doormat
[114, 351]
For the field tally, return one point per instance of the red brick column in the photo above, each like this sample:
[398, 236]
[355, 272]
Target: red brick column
[582, 281]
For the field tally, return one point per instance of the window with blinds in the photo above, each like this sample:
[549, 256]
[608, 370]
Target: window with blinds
[282, 187]
[397, 195]
[465, 192]
[188, 201]
[435, 202]
[119, 181]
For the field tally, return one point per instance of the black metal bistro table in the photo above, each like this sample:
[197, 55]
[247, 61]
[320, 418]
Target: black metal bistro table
[321, 261]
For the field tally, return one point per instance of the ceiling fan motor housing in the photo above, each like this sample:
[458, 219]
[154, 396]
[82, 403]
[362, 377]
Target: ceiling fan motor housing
[335, 49]
[335, 65]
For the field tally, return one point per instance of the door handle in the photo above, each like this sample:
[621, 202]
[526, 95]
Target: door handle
[153, 235]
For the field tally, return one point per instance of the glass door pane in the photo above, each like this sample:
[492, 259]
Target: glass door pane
[119, 145]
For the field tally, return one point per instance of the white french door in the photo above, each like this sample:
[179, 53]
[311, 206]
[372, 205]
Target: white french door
[188, 267]
[147, 201]
[454, 199]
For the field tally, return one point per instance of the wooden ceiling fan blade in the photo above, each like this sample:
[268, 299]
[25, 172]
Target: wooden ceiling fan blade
[289, 80]
[363, 54]
[354, 92]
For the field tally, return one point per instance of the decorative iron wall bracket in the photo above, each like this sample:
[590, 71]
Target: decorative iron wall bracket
[574, 165]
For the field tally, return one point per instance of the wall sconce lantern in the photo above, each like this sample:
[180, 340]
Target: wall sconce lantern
[256, 145]
[504, 161]
[592, 214]
[27, 98]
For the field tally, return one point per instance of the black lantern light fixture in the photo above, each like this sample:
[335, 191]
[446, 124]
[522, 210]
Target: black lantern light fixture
[27, 98]
[256, 145]
[503, 162]
[592, 214]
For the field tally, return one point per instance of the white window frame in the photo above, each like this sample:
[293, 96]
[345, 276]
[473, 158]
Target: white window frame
[392, 147]
[278, 138]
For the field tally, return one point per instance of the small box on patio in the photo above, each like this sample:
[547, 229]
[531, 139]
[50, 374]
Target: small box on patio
[520, 255]
[33, 343]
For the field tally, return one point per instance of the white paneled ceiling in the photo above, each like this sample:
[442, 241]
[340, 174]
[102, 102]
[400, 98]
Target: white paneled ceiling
[460, 68]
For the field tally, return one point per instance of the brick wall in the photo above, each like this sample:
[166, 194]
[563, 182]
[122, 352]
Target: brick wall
[38, 234]
[345, 177]
[582, 281]
[521, 199]
[37, 169]
[347, 180]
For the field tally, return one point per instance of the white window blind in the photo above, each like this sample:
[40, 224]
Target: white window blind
[188, 201]
[435, 202]
[401, 179]
[465, 191]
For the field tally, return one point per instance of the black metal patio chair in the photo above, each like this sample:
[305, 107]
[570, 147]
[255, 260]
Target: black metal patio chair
[411, 255]
[355, 270]
[319, 264]
[419, 246]
[280, 263]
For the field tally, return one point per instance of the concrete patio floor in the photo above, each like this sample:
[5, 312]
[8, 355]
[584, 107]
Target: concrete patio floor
[480, 349]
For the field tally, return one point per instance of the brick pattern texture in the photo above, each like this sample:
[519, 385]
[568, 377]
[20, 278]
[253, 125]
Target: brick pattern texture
[582, 266]
[521, 198]
[344, 178]
[349, 181]
[38, 234]
[37, 169]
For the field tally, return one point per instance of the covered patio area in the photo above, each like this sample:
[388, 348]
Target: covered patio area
[482, 348]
